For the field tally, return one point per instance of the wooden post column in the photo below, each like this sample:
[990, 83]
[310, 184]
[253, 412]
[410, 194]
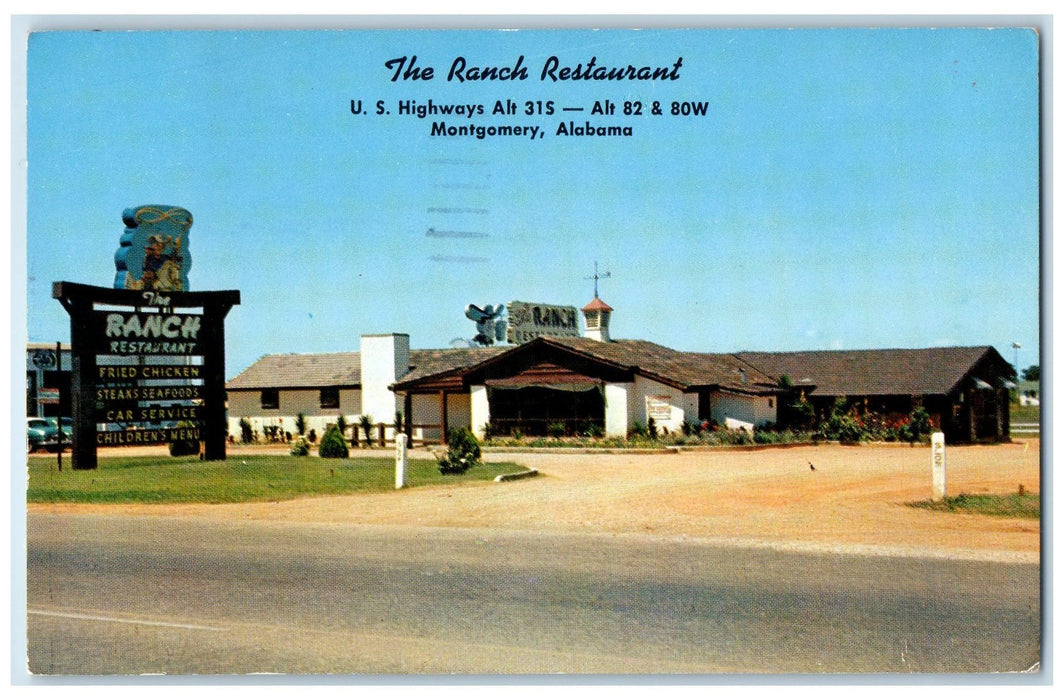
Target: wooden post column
[443, 416]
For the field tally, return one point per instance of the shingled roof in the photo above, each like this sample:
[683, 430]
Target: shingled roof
[339, 369]
[344, 369]
[427, 363]
[926, 371]
[684, 370]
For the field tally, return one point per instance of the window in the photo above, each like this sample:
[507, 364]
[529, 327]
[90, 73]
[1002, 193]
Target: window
[270, 399]
[329, 398]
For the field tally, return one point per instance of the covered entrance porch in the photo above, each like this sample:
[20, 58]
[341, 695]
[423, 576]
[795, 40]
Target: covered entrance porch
[545, 409]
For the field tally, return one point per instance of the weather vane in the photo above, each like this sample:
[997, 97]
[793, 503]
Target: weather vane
[597, 277]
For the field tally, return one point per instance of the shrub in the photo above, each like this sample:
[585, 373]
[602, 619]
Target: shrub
[594, 430]
[341, 424]
[652, 428]
[184, 448]
[556, 430]
[313, 436]
[301, 447]
[638, 430]
[842, 425]
[463, 452]
[246, 433]
[333, 445]
[919, 424]
[398, 422]
[301, 424]
[367, 427]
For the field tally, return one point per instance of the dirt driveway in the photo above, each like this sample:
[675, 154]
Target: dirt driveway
[854, 499]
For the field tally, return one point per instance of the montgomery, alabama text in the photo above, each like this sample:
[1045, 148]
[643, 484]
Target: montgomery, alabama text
[529, 132]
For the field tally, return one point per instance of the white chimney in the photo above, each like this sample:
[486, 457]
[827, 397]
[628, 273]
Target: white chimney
[384, 359]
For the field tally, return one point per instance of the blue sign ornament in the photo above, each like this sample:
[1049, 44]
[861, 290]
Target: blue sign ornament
[153, 251]
[490, 327]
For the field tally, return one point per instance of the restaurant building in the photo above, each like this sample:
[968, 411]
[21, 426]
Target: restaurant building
[563, 381]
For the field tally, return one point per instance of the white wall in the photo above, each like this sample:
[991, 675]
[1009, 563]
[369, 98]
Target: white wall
[672, 404]
[291, 402]
[459, 411]
[617, 409]
[741, 411]
[479, 409]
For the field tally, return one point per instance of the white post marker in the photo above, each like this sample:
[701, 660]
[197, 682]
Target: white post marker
[938, 466]
[400, 460]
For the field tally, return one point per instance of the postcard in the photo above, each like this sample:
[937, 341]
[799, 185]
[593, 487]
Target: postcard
[710, 352]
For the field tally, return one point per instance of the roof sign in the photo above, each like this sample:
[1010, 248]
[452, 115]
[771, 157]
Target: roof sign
[531, 320]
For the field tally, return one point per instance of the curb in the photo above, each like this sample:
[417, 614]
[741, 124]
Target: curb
[519, 475]
[578, 450]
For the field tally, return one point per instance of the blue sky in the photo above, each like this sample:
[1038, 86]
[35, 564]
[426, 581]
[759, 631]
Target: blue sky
[847, 188]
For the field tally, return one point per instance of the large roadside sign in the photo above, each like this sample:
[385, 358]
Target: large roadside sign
[148, 368]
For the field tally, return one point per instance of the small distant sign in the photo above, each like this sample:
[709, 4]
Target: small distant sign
[659, 408]
[44, 359]
[532, 320]
[48, 396]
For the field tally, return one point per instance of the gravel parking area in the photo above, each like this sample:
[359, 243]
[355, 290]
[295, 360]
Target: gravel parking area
[854, 498]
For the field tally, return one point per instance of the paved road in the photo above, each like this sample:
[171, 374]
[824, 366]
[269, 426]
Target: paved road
[119, 595]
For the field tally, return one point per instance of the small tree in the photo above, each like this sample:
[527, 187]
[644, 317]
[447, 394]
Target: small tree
[300, 447]
[463, 452]
[919, 425]
[341, 425]
[398, 422]
[841, 425]
[246, 432]
[301, 424]
[333, 444]
[366, 422]
[802, 414]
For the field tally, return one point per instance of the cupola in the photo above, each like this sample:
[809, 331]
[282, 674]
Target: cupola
[597, 320]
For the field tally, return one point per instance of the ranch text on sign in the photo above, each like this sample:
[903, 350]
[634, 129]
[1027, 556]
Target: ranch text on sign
[134, 333]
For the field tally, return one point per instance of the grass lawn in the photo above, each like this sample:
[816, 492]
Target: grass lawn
[1025, 414]
[238, 479]
[1013, 505]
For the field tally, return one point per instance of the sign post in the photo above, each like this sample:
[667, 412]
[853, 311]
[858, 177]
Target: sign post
[400, 460]
[938, 466]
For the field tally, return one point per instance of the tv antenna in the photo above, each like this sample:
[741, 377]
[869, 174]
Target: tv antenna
[597, 277]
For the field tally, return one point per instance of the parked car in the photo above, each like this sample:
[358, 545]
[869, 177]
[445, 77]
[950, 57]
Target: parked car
[68, 428]
[41, 432]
